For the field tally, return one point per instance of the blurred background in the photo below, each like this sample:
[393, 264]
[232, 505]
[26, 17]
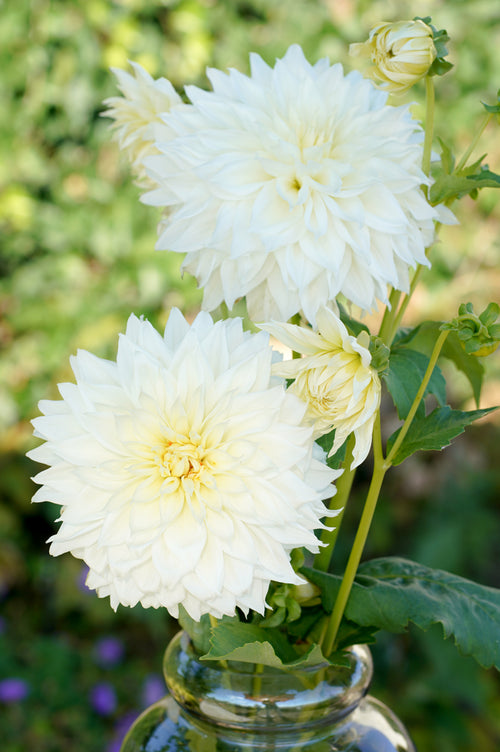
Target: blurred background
[77, 256]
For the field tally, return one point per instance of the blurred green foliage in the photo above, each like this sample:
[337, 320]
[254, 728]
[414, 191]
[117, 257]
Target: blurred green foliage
[77, 256]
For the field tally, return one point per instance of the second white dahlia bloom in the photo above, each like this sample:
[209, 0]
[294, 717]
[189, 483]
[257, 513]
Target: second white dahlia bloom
[137, 115]
[335, 378]
[184, 471]
[292, 185]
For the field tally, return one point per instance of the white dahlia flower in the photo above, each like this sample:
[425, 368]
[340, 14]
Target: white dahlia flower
[138, 114]
[291, 186]
[184, 471]
[335, 378]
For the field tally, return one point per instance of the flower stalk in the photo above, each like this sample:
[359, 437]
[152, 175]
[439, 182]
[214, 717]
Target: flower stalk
[380, 468]
[331, 633]
[465, 157]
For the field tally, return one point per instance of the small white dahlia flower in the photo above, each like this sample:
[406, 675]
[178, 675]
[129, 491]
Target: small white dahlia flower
[138, 115]
[184, 471]
[335, 378]
[291, 186]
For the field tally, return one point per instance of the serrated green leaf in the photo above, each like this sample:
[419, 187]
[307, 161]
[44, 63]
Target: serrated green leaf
[391, 592]
[447, 187]
[434, 431]
[249, 643]
[404, 377]
[423, 338]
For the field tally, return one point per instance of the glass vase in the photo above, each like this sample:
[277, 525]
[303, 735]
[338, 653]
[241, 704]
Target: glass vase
[231, 707]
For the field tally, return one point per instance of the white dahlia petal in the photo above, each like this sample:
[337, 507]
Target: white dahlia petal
[185, 471]
[290, 186]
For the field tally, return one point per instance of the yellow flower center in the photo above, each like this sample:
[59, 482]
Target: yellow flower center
[179, 460]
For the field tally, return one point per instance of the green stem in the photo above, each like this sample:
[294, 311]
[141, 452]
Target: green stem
[339, 501]
[473, 143]
[354, 558]
[429, 124]
[389, 314]
[396, 321]
[418, 397]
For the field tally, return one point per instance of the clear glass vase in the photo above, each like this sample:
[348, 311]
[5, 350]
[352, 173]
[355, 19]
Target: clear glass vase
[214, 707]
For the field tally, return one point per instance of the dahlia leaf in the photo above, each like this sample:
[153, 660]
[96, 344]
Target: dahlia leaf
[249, 643]
[434, 431]
[198, 631]
[390, 592]
[326, 442]
[404, 376]
[423, 339]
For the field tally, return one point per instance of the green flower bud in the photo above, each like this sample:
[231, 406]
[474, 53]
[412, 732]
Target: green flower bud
[478, 334]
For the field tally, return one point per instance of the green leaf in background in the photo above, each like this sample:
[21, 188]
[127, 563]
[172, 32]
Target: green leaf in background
[404, 377]
[434, 431]
[423, 339]
[249, 643]
[390, 592]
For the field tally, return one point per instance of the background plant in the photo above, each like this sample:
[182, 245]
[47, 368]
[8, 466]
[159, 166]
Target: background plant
[77, 257]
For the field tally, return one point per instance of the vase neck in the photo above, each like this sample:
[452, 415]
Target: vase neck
[236, 697]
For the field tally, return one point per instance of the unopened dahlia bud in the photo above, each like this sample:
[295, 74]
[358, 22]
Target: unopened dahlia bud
[401, 54]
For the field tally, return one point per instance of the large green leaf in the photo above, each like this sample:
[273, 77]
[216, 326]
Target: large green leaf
[249, 643]
[434, 431]
[404, 377]
[391, 592]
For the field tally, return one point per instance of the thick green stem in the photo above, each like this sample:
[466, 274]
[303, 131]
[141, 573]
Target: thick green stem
[389, 315]
[396, 320]
[339, 501]
[330, 634]
[418, 397]
[473, 143]
[429, 124]
[354, 559]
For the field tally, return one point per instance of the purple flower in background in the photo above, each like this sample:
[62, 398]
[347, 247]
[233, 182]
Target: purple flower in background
[80, 581]
[103, 698]
[153, 689]
[122, 726]
[3, 625]
[13, 689]
[108, 651]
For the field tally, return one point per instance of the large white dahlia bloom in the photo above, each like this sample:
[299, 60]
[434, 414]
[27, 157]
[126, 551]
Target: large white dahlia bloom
[291, 186]
[183, 469]
[335, 377]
